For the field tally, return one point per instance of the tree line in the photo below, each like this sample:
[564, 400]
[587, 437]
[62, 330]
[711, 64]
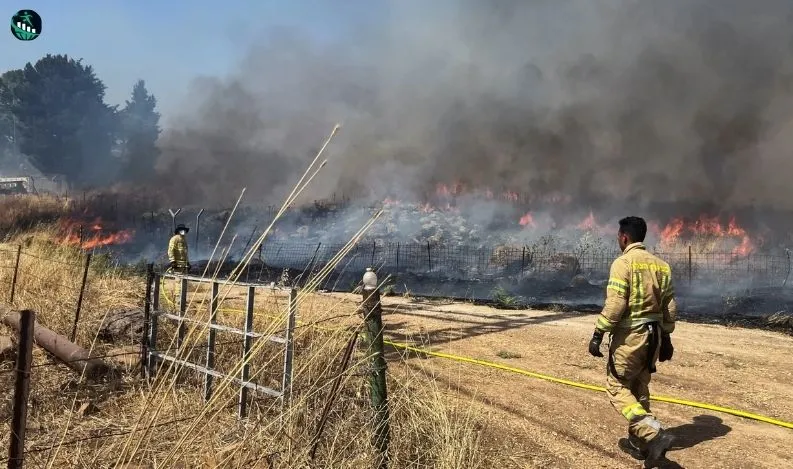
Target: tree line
[54, 113]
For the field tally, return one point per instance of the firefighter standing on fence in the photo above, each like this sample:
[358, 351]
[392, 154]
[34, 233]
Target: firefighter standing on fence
[177, 250]
[639, 314]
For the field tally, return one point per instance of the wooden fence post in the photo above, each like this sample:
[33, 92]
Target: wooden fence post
[246, 348]
[182, 312]
[144, 343]
[689, 266]
[213, 310]
[16, 450]
[378, 392]
[16, 272]
[155, 307]
[289, 349]
[429, 256]
[80, 298]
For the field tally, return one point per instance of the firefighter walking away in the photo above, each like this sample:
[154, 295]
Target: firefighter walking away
[639, 314]
[177, 251]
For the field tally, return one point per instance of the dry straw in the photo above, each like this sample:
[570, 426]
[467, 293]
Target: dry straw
[167, 422]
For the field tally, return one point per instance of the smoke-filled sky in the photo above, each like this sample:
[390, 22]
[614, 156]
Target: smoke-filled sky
[640, 101]
[631, 101]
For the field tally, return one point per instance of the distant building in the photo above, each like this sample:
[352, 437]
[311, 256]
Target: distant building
[19, 167]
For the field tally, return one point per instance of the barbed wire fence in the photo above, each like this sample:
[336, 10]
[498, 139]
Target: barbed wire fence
[437, 262]
[32, 279]
[26, 275]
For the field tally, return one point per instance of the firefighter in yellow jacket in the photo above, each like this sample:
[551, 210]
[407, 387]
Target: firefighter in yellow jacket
[639, 314]
[177, 250]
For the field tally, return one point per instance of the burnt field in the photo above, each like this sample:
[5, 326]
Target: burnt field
[764, 303]
[504, 249]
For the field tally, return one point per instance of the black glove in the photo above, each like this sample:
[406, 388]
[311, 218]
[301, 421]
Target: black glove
[594, 344]
[171, 265]
[667, 350]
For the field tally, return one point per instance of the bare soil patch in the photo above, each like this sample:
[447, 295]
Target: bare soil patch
[540, 424]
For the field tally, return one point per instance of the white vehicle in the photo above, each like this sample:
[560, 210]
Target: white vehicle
[17, 185]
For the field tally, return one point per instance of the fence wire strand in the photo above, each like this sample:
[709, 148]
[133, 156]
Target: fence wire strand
[50, 259]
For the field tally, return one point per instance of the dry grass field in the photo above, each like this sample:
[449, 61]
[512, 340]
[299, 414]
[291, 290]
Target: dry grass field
[444, 414]
[75, 423]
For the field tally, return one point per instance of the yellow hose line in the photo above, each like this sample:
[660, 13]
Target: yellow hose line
[566, 382]
[575, 384]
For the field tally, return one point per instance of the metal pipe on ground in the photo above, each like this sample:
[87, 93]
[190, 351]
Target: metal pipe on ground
[72, 355]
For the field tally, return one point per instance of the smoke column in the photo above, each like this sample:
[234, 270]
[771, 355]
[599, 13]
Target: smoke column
[620, 102]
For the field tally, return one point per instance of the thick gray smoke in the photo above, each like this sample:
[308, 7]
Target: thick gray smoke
[627, 101]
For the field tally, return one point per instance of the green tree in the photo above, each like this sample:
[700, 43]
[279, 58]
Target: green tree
[140, 130]
[8, 123]
[62, 122]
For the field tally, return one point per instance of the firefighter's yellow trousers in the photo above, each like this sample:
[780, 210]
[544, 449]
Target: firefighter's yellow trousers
[628, 379]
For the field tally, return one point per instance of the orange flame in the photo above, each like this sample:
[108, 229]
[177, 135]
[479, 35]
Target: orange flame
[672, 231]
[103, 240]
[588, 223]
[95, 239]
[708, 226]
[527, 220]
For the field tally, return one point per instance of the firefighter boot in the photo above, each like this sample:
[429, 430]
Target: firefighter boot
[657, 448]
[634, 447]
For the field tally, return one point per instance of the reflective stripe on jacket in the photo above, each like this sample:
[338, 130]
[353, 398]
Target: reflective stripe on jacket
[639, 291]
[177, 251]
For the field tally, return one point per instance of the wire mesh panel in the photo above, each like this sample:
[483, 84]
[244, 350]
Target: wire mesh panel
[475, 263]
[198, 334]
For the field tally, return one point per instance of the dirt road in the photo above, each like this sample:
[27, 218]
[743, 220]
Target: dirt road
[541, 424]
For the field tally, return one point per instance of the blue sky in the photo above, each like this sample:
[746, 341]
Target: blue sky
[169, 42]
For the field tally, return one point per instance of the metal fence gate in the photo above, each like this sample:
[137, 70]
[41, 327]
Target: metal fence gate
[175, 351]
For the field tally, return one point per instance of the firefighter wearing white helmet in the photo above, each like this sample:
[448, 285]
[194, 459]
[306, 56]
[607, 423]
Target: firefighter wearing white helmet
[177, 250]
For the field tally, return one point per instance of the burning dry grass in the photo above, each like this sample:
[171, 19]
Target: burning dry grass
[49, 279]
[73, 423]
